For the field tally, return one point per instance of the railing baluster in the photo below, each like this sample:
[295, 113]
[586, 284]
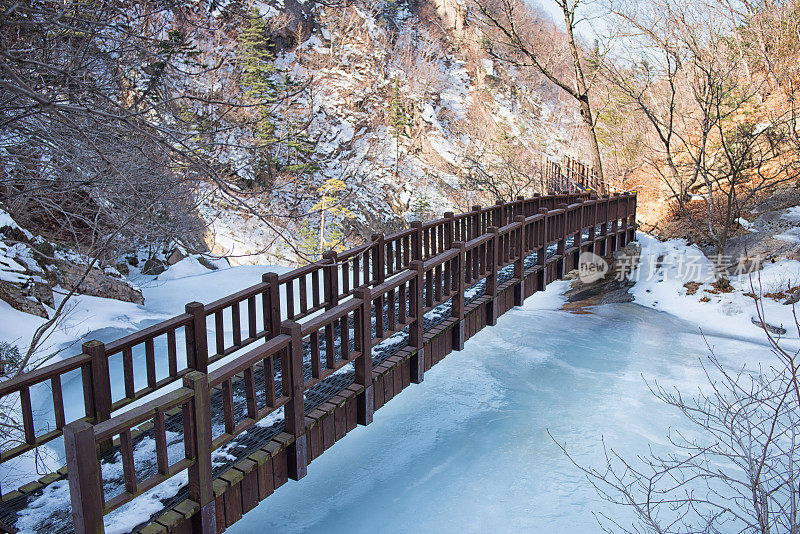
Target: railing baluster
[250, 393]
[316, 362]
[251, 318]
[236, 320]
[128, 468]
[457, 305]
[227, 406]
[127, 373]
[160, 435]
[150, 362]
[269, 380]
[58, 402]
[416, 241]
[344, 336]
[391, 310]
[492, 257]
[219, 332]
[330, 347]
[27, 416]
[172, 353]
[271, 305]
[519, 263]
[403, 302]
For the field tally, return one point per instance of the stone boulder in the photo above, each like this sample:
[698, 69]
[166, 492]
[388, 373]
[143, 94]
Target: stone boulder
[611, 288]
[175, 256]
[153, 267]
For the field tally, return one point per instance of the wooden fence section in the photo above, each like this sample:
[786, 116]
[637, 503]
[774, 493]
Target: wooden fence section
[573, 176]
[379, 288]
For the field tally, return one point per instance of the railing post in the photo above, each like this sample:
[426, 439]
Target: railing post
[615, 224]
[293, 411]
[416, 329]
[197, 435]
[604, 226]
[83, 469]
[330, 278]
[365, 403]
[378, 259]
[593, 227]
[491, 278]
[500, 214]
[519, 264]
[100, 390]
[578, 240]
[521, 204]
[416, 240]
[562, 242]
[272, 305]
[196, 338]
[449, 229]
[632, 229]
[476, 221]
[457, 302]
[541, 254]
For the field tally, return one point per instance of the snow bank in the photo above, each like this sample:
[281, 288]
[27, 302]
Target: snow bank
[665, 268]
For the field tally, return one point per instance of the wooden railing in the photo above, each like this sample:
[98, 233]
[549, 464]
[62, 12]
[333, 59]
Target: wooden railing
[392, 280]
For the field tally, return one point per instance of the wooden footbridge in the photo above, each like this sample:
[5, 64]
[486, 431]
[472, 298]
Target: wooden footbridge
[235, 397]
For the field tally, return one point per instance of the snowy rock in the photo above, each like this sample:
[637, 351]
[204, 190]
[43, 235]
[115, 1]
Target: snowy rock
[175, 257]
[772, 329]
[97, 283]
[611, 288]
[27, 297]
[153, 266]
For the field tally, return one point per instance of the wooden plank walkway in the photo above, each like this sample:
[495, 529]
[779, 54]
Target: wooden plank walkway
[358, 346]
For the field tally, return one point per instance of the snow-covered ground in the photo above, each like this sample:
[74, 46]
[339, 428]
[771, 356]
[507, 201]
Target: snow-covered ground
[666, 267]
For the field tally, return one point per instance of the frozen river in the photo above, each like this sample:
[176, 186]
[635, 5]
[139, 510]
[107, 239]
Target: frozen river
[468, 450]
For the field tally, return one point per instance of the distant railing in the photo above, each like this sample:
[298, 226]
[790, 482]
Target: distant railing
[407, 274]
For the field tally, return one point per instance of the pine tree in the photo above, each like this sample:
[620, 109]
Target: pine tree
[261, 82]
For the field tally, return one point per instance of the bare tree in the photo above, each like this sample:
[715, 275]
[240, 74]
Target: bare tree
[684, 73]
[519, 39]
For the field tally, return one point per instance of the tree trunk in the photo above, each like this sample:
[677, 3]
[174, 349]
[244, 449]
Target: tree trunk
[594, 147]
[582, 91]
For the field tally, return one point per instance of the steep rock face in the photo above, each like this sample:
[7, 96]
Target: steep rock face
[399, 101]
